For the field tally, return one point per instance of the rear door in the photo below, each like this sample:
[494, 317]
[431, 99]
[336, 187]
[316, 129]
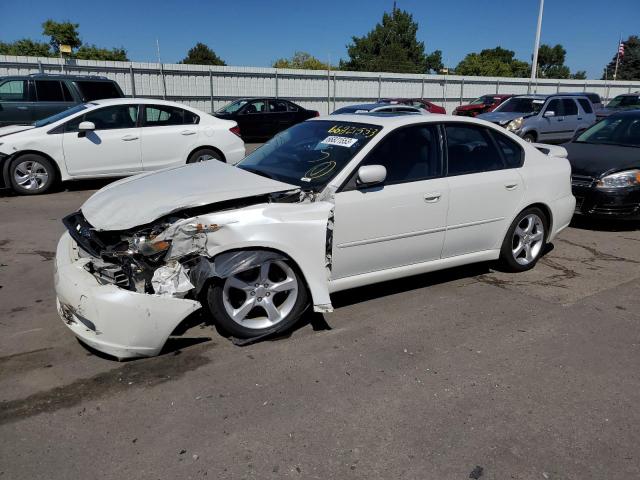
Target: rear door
[485, 188]
[168, 135]
[281, 117]
[113, 148]
[15, 107]
[572, 119]
[587, 116]
[53, 96]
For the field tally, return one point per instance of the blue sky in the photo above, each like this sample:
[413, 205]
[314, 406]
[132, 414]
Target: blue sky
[256, 32]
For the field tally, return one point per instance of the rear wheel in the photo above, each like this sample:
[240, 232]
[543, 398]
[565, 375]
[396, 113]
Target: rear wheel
[31, 174]
[204, 155]
[255, 302]
[525, 241]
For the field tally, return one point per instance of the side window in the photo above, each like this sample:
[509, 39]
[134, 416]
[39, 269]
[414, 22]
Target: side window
[162, 116]
[470, 149]
[409, 154]
[555, 106]
[569, 106]
[49, 91]
[191, 118]
[108, 118]
[257, 106]
[66, 94]
[277, 106]
[13, 91]
[511, 152]
[586, 105]
[97, 90]
[292, 107]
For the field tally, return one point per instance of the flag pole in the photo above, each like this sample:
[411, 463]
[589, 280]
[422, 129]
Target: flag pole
[615, 72]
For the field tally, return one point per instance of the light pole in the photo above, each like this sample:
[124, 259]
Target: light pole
[534, 64]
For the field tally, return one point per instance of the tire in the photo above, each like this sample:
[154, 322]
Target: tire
[244, 308]
[525, 241]
[529, 137]
[205, 154]
[32, 174]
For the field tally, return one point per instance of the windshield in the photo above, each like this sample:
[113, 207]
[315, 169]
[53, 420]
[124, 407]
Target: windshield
[311, 153]
[60, 116]
[233, 107]
[521, 105]
[615, 130]
[486, 100]
[625, 101]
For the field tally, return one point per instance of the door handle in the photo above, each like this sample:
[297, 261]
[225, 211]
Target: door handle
[23, 108]
[128, 138]
[432, 197]
[579, 118]
[511, 186]
[188, 132]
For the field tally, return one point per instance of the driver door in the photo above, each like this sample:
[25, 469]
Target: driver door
[253, 119]
[400, 222]
[113, 148]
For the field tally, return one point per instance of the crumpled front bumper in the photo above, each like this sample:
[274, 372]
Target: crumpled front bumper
[115, 321]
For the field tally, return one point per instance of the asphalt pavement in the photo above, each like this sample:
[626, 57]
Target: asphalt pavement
[466, 373]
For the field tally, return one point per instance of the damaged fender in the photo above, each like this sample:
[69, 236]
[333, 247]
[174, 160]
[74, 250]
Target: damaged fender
[297, 230]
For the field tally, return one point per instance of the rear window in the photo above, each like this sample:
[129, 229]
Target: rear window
[594, 97]
[97, 90]
[49, 91]
[13, 90]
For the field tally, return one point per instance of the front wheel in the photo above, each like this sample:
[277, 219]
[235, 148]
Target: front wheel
[31, 174]
[525, 241]
[529, 137]
[264, 299]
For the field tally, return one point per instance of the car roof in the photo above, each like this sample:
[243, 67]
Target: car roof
[540, 96]
[396, 119]
[137, 100]
[57, 76]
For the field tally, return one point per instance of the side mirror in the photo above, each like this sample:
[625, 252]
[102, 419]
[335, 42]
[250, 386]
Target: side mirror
[369, 175]
[549, 113]
[86, 126]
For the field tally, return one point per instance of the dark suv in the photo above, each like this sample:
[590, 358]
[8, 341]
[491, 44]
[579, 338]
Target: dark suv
[27, 98]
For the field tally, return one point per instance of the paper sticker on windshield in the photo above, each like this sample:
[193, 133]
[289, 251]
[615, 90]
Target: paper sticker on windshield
[340, 141]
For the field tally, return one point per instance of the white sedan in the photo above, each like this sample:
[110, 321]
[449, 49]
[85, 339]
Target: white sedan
[112, 138]
[330, 204]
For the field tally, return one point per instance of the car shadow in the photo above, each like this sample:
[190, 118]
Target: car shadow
[604, 224]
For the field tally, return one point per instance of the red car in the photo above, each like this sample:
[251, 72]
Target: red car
[417, 102]
[483, 104]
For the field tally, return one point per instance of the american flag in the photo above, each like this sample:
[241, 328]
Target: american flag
[621, 49]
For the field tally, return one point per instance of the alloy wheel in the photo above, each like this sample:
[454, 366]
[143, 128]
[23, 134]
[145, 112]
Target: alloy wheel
[528, 239]
[30, 175]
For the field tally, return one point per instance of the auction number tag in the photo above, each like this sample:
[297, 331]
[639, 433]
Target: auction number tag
[339, 141]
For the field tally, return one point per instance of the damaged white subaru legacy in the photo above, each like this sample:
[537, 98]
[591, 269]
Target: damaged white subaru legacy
[330, 204]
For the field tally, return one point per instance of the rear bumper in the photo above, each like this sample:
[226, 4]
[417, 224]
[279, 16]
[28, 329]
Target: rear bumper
[115, 321]
[236, 154]
[621, 203]
[562, 212]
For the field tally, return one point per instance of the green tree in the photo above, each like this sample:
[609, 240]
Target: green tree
[26, 47]
[579, 75]
[492, 62]
[91, 52]
[301, 60]
[201, 54]
[61, 33]
[629, 65]
[551, 62]
[392, 46]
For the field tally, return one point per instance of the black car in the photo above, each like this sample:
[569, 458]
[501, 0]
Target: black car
[262, 118]
[25, 99]
[605, 163]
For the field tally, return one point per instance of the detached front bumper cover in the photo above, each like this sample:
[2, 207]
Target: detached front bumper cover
[113, 320]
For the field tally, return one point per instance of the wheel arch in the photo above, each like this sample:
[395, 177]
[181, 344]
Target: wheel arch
[209, 147]
[547, 212]
[8, 161]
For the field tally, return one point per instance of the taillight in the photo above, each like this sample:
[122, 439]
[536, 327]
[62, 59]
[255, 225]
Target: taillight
[316, 114]
[235, 130]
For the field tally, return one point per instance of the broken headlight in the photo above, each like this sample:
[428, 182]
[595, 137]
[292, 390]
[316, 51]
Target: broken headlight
[147, 246]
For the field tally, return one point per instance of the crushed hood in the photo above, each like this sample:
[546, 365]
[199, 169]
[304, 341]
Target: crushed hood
[502, 118]
[141, 199]
[14, 129]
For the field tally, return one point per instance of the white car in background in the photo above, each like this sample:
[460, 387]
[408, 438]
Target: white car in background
[332, 203]
[113, 138]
